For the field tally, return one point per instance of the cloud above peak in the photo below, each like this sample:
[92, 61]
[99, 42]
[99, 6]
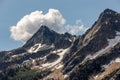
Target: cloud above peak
[75, 28]
[53, 19]
[30, 23]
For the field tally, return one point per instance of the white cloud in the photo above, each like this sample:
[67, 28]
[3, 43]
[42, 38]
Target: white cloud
[75, 28]
[29, 24]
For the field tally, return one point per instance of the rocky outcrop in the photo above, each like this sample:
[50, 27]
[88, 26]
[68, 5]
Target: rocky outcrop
[96, 38]
[49, 37]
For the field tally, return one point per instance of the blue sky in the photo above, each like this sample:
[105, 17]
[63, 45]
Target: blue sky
[11, 11]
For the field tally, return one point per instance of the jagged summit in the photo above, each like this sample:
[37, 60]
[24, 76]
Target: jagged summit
[46, 36]
[43, 28]
[108, 14]
[107, 23]
[109, 11]
[103, 35]
[43, 36]
[109, 19]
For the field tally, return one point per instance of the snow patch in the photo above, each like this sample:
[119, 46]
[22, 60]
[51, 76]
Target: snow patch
[87, 57]
[106, 65]
[59, 52]
[96, 77]
[26, 61]
[22, 54]
[39, 46]
[13, 56]
[70, 40]
[59, 66]
[111, 43]
[9, 53]
[65, 76]
[35, 48]
[117, 60]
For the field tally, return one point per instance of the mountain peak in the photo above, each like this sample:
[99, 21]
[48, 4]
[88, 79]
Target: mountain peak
[110, 18]
[49, 37]
[106, 26]
[43, 29]
[109, 11]
[43, 36]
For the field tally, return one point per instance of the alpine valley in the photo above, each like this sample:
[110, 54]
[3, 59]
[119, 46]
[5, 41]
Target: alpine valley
[48, 55]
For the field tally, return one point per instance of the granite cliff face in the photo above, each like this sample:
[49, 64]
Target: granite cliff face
[93, 56]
